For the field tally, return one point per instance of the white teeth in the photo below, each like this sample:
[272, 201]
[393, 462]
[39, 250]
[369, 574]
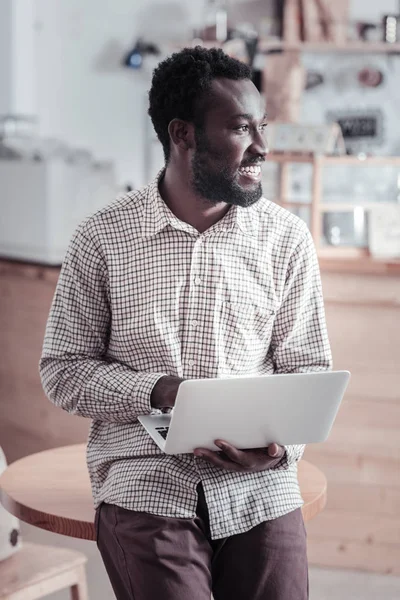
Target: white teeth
[251, 170]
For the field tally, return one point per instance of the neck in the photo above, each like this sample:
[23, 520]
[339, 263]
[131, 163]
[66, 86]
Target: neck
[177, 192]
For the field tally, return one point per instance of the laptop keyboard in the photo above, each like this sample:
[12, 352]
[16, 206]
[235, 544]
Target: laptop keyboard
[163, 431]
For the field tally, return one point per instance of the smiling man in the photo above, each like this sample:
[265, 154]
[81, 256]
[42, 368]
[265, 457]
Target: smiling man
[194, 276]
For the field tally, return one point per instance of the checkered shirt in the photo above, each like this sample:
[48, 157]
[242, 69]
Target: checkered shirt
[142, 294]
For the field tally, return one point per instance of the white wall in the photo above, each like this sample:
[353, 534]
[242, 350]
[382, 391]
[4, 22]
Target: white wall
[372, 10]
[17, 57]
[82, 95]
[5, 57]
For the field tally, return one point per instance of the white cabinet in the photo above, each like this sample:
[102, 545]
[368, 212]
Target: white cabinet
[42, 202]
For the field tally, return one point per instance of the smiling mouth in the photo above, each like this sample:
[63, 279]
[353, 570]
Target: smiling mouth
[252, 172]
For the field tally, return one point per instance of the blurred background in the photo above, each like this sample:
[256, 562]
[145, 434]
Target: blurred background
[74, 134]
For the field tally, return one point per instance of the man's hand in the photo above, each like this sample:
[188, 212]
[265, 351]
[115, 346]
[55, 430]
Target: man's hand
[164, 393]
[242, 461]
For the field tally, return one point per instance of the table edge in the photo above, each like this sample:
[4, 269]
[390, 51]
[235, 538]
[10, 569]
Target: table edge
[86, 529]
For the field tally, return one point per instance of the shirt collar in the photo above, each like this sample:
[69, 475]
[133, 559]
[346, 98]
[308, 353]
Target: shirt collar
[157, 215]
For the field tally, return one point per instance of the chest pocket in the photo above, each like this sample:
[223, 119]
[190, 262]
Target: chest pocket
[244, 334]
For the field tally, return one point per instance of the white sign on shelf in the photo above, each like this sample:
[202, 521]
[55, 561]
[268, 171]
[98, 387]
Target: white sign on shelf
[384, 231]
[295, 137]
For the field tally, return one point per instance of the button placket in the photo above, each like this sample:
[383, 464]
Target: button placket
[194, 316]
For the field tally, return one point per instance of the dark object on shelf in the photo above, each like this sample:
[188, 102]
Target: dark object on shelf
[362, 129]
[313, 79]
[355, 127]
[369, 32]
[134, 58]
[256, 77]
[251, 47]
[370, 77]
[249, 36]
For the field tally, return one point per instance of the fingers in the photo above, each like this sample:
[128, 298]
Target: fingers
[230, 457]
[242, 460]
[276, 451]
[237, 456]
[218, 459]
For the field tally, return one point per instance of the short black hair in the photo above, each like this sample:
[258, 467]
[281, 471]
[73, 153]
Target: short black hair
[181, 82]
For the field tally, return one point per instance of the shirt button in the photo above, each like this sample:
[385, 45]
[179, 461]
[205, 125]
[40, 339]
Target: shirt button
[197, 281]
[194, 323]
[191, 363]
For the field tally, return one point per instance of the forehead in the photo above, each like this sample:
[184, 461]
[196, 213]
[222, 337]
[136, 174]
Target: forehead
[229, 98]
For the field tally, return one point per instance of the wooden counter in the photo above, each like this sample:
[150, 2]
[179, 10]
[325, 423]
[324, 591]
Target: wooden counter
[28, 421]
[360, 528]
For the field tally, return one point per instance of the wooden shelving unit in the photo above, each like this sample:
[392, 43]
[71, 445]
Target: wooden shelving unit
[350, 259]
[266, 46]
[332, 258]
[321, 26]
[269, 46]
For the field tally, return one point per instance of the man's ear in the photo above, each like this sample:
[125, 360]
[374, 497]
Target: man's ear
[181, 134]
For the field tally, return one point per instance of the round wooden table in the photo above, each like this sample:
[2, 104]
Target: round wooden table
[51, 490]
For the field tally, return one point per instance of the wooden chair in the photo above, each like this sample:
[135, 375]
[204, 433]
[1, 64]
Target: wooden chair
[36, 570]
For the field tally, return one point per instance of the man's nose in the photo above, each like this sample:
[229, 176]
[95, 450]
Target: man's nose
[259, 144]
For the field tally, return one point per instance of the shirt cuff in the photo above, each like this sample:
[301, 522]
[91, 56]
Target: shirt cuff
[142, 392]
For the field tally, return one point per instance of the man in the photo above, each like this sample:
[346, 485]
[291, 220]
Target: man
[194, 276]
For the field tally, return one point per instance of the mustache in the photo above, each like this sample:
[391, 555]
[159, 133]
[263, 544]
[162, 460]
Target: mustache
[253, 162]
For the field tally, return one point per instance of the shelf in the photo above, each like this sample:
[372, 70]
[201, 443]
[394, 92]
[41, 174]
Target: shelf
[332, 206]
[359, 265]
[355, 260]
[292, 203]
[350, 206]
[285, 157]
[343, 253]
[355, 160]
[270, 46]
[266, 46]
[298, 157]
[348, 259]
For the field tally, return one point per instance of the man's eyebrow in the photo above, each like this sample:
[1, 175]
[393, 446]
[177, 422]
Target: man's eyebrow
[247, 116]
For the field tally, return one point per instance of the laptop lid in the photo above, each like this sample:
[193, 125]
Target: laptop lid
[252, 412]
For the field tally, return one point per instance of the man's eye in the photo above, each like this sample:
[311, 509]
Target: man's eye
[245, 128]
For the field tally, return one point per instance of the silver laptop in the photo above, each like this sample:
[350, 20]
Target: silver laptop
[250, 412]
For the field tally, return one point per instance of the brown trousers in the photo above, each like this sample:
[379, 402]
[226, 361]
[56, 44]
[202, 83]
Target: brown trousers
[148, 557]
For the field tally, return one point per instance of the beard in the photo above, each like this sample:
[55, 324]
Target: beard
[218, 186]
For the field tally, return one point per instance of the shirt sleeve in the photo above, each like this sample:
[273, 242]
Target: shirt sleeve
[76, 372]
[300, 341]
